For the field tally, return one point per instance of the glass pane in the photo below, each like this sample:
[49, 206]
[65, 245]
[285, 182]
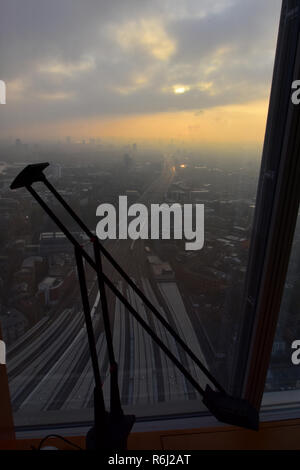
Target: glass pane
[157, 102]
[284, 372]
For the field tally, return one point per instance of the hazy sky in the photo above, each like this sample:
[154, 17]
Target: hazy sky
[192, 69]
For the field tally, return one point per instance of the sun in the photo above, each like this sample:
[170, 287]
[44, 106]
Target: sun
[179, 89]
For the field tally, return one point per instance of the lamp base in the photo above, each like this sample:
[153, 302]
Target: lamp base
[112, 435]
[231, 410]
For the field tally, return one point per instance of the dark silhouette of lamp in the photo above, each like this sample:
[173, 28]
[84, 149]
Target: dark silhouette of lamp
[112, 429]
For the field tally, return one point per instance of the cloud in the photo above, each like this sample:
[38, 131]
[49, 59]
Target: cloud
[72, 59]
[68, 69]
[55, 96]
[146, 36]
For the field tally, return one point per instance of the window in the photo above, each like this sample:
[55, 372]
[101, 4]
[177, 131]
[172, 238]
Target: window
[283, 373]
[165, 123]
[282, 382]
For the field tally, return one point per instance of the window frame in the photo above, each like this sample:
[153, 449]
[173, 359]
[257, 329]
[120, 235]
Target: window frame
[270, 248]
[275, 219]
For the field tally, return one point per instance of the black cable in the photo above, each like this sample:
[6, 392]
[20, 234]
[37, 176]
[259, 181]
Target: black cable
[58, 437]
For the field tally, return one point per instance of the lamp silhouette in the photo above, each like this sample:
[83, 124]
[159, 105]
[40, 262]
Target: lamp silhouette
[111, 430]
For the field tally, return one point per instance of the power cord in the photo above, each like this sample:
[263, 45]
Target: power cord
[58, 437]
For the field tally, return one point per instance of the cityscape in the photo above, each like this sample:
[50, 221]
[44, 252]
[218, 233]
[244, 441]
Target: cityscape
[161, 103]
[199, 292]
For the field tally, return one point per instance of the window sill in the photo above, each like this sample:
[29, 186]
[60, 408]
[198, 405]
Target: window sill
[275, 435]
[277, 407]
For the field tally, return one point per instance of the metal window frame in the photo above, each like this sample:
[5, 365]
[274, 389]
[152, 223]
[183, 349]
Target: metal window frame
[277, 206]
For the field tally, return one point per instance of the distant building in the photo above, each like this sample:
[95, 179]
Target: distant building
[127, 161]
[8, 204]
[132, 195]
[161, 270]
[56, 171]
[32, 250]
[55, 242]
[177, 195]
[31, 271]
[45, 286]
[13, 325]
[198, 195]
[52, 289]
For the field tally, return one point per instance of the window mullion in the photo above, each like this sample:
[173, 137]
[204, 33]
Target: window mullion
[276, 214]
